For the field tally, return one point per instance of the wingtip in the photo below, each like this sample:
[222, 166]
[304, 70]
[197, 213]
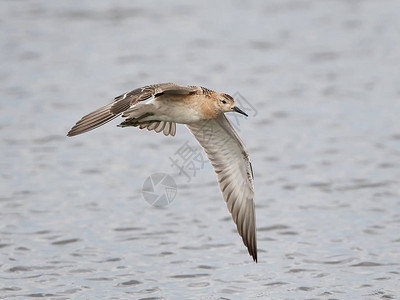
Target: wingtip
[252, 249]
[71, 133]
[253, 254]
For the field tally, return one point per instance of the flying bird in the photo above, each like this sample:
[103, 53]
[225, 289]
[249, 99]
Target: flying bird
[160, 107]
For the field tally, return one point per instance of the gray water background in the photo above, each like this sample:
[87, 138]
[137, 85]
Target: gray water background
[324, 142]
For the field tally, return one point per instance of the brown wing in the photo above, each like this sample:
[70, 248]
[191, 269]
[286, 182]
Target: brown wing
[123, 102]
[230, 159]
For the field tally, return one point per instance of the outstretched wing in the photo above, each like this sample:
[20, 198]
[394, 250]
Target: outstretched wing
[230, 159]
[123, 102]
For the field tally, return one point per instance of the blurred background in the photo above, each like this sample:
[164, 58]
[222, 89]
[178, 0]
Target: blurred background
[322, 81]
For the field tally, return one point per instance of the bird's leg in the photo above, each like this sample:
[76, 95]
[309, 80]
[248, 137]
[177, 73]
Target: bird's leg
[135, 121]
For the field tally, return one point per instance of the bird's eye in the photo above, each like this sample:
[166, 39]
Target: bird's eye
[223, 101]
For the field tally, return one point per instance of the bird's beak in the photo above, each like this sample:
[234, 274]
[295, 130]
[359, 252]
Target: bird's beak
[237, 109]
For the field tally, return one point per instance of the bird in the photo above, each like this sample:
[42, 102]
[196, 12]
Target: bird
[159, 107]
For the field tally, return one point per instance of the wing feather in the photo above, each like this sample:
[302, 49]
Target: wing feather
[125, 101]
[230, 159]
[168, 128]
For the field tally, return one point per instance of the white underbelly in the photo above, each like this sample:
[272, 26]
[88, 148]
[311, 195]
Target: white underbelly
[175, 111]
[179, 115]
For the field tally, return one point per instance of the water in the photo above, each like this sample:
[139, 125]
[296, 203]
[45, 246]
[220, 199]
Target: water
[324, 141]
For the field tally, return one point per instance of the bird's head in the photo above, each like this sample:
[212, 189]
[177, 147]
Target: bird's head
[225, 103]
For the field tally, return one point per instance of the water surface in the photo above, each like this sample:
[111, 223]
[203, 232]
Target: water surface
[324, 139]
